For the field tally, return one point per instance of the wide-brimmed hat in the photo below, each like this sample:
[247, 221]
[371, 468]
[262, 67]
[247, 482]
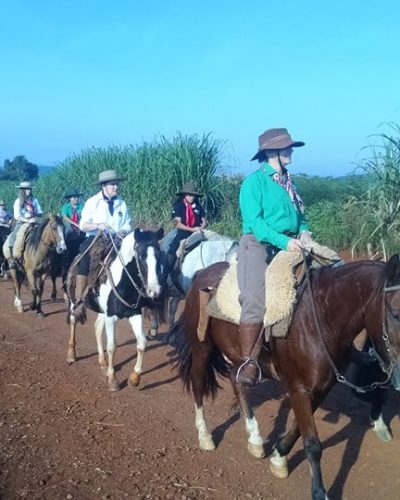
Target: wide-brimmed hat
[24, 185]
[275, 139]
[108, 176]
[2, 203]
[72, 192]
[189, 188]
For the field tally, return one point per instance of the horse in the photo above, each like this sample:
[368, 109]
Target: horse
[132, 283]
[43, 240]
[4, 232]
[215, 248]
[62, 262]
[335, 306]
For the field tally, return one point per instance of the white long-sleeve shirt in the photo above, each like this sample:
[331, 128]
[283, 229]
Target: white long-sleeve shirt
[95, 211]
[24, 210]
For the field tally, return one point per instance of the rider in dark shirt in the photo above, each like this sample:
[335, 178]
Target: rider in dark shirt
[189, 217]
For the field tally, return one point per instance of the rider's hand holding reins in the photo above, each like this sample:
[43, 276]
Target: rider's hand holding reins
[294, 245]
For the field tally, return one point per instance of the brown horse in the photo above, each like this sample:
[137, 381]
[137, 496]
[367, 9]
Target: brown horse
[44, 239]
[309, 360]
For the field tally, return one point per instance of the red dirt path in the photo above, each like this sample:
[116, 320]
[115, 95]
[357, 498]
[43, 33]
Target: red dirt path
[64, 436]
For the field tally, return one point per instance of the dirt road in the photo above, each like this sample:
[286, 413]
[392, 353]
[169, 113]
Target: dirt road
[64, 436]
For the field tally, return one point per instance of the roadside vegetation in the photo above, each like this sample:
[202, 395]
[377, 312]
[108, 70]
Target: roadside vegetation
[359, 211]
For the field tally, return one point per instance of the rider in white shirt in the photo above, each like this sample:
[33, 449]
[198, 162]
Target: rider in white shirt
[104, 211]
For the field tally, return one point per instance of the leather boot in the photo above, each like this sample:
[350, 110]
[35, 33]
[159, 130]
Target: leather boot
[249, 372]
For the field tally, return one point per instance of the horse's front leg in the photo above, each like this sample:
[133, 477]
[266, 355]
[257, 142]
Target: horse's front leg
[99, 327]
[71, 354]
[39, 288]
[303, 409]
[53, 295]
[278, 460]
[154, 324]
[378, 399]
[255, 443]
[173, 307]
[33, 289]
[113, 384]
[136, 322]
[17, 290]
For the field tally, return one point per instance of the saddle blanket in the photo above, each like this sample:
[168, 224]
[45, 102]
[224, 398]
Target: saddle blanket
[19, 242]
[280, 297]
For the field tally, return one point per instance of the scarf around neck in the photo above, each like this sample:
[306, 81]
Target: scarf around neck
[284, 179]
[190, 219]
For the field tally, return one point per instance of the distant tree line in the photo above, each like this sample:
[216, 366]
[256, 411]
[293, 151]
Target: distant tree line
[19, 169]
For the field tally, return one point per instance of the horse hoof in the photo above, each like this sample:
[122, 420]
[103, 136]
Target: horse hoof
[278, 465]
[207, 444]
[256, 450]
[152, 332]
[40, 315]
[134, 379]
[20, 310]
[113, 385]
[384, 435]
[71, 357]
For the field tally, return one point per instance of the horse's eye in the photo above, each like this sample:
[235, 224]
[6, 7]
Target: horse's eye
[395, 315]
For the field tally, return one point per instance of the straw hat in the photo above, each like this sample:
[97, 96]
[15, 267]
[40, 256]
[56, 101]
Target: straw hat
[275, 139]
[109, 176]
[25, 185]
[189, 188]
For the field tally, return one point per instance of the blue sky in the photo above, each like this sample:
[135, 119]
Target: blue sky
[76, 74]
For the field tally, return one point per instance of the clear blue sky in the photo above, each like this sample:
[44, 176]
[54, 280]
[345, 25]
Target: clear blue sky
[83, 73]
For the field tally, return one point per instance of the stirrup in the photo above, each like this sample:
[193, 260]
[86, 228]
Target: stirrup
[244, 364]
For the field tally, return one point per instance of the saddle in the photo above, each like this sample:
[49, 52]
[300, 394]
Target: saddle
[21, 239]
[186, 246]
[284, 280]
[102, 253]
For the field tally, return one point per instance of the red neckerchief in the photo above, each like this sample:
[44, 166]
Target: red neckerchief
[75, 216]
[29, 205]
[190, 219]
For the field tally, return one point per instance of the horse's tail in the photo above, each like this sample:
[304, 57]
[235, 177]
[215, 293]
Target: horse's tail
[177, 337]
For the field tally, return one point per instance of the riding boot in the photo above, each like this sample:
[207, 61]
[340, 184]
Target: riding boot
[249, 372]
[80, 289]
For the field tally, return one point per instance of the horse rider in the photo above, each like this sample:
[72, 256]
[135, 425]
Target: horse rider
[105, 212]
[273, 220]
[5, 216]
[26, 209]
[189, 217]
[71, 212]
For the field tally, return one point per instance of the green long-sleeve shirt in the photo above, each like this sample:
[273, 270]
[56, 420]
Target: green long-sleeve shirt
[267, 209]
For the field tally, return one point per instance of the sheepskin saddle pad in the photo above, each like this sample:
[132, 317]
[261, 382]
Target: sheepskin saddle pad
[280, 286]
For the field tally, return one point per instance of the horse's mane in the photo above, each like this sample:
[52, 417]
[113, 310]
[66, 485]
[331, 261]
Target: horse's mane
[36, 235]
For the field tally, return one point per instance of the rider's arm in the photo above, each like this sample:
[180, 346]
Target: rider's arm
[180, 225]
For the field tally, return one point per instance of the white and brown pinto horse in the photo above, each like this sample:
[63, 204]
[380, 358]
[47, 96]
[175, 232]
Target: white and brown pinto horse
[41, 243]
[133, 282]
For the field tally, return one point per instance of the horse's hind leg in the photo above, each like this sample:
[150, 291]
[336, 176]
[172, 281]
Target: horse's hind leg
[99, 328]
[136, 322]
[200, 355]
[17, 290]
[255, 443]
[39, 287]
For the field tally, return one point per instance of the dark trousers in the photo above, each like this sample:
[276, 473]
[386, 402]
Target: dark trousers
[180, 235]
[84, 263]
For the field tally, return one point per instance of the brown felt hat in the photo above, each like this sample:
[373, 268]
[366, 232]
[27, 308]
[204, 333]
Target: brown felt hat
[189, 188]
[275, 139]
[108, 176]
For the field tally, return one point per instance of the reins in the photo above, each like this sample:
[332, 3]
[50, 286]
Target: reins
[385, 336]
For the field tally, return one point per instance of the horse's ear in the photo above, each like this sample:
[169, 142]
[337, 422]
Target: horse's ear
[160, 234]
[137, 234]
[393, 271]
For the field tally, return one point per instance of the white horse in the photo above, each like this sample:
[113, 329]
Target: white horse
[214, 248]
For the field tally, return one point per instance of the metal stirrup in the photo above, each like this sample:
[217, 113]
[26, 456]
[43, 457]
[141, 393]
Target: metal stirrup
[245, 363]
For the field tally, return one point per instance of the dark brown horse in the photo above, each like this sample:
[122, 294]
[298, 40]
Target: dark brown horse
[347, 299]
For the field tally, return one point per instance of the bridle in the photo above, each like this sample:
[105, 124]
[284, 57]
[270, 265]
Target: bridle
[386, 368]
[54, 234]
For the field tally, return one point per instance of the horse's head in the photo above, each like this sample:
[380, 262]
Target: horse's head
[391, 321]
[148, 256]
[55, 233]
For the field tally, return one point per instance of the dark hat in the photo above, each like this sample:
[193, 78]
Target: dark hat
[2, 204]
[24, 185]
[275, 139]
[108, 176]
[189, 188]
[73, 192]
